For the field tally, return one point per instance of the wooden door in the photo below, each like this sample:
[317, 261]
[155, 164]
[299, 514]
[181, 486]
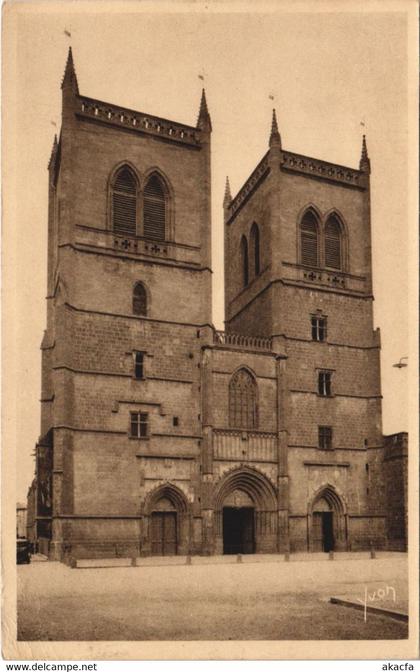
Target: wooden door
[163, 533]
[317, 536]
[169, 533]
[157, 534]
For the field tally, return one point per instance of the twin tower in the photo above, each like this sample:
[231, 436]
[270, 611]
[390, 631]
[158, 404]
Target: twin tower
[161, 435]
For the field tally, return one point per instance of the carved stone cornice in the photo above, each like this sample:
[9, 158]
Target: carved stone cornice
[146, 124]
[298, 163]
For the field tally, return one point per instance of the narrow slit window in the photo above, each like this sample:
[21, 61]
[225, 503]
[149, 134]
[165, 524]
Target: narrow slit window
[244, 262]
[139, 365]
[324, 383]
[139, 299]
[255, 248]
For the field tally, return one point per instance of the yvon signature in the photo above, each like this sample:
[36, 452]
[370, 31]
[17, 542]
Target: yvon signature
[376, 596]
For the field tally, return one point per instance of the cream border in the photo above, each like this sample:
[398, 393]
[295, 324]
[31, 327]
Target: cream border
[192, 650]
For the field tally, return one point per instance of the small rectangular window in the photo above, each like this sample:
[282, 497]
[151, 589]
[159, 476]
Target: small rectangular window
[325, 438]
[175, 421]
[324, 383]
[139, 425]
[319, 328]
[139, 365]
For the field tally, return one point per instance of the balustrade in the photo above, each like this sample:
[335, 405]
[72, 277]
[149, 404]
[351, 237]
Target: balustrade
[242, 341]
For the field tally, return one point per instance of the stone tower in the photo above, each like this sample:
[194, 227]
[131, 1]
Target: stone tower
[129, 299]
[298, 241]
[161, 435]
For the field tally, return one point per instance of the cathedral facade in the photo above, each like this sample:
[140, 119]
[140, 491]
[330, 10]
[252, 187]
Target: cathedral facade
[161, 435]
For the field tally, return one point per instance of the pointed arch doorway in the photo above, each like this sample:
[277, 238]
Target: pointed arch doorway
[238, 524]
[322, 526]
[245, 508]
[327, 521]
[164, 528]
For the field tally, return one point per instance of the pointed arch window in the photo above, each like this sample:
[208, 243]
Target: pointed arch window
[243, 401]
[154, 209]
[309, 252]
[124, 202]
[244, 261]
[255, 248]
[333, 243]
[139, 299]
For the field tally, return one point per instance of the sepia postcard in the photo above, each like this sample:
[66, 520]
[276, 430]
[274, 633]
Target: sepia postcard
[210, 330]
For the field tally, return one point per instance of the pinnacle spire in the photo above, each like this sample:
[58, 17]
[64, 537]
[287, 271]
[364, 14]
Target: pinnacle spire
[364, 158]
[228, 196]
[204, 121]
[274, 135]
[51, 162]
[70, 79]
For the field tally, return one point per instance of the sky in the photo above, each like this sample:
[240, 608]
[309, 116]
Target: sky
[333, 76]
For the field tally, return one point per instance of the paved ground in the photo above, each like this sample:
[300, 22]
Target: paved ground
[212, 599]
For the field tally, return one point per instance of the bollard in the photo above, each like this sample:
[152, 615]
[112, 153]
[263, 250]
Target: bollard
[331, 555]
[134, 562]
[239, 558]
[372, 553]
[188, 560]
[287, 557]
[73, 563]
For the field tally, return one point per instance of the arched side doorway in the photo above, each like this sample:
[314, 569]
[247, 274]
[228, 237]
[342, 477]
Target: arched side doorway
[327, 521]
[245, 513]
[163, 533]
[166, 522]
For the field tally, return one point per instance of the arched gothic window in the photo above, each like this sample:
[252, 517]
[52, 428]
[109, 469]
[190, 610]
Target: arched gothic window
[139, 299]
[309, 253]
[333, 251]
[244, 261]
[124, 202]
[243, 401]
[154, 209]
[255, 248]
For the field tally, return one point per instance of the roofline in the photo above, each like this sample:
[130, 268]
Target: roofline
[253, 180]
[144, 114]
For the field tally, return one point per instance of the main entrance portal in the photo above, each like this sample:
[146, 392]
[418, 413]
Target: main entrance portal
[245, 513]
[238, 530]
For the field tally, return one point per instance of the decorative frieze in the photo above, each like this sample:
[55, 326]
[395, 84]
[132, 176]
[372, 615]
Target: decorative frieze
[137, 121]
[333, 279]
[233, 444]
[136, 246]
[323, 169]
